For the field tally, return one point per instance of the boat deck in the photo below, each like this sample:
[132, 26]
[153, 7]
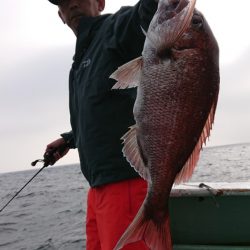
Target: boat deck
[210, 216]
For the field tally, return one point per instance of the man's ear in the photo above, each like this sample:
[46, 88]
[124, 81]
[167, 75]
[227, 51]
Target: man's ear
[61, 16]
[101, 5]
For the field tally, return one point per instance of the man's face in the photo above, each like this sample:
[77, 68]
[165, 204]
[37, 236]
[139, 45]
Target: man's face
[71, 11]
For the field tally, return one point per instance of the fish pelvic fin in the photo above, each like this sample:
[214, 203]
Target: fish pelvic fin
[155, 235]
[187, 171]
[131, 152]
[128, 75]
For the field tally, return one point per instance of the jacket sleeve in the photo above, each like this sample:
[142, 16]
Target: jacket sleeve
[128, 27]
[69, 138]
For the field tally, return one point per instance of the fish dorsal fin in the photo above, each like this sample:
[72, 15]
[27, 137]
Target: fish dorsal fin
[187, 171]
[132, 153]
[128, 75]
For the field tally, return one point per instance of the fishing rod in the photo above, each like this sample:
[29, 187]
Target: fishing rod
[48, 159]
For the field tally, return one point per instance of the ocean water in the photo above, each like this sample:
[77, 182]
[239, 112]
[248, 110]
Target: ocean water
[49, 214]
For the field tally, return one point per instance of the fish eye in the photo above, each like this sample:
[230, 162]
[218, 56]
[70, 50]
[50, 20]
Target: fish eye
[197, 21]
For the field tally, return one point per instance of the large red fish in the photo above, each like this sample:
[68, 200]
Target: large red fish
[178, 85]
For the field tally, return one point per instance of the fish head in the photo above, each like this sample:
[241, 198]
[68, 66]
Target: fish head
[169, 22]
[198, 36]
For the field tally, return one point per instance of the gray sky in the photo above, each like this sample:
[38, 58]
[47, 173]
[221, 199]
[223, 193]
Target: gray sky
[36, 55]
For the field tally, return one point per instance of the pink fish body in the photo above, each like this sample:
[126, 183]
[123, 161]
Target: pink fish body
[178, 85]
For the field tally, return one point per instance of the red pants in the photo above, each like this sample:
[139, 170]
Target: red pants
[110, 210]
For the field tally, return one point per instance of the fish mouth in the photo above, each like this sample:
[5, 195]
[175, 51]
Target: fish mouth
[178, 15]
[175, 7]
[169, 23]
[181, 15]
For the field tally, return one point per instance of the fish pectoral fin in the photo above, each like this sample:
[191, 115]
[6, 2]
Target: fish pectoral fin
[128, 75]
[187, 170]
[132, 153]
[155, 235]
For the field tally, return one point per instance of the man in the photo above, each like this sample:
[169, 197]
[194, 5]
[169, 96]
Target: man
[100, 116]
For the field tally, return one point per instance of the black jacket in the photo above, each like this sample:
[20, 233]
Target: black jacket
[99, 115]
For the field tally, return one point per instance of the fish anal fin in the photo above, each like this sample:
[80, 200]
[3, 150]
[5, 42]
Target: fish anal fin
[156, 236]
[128, 75]
[132, 153]
[187, 171]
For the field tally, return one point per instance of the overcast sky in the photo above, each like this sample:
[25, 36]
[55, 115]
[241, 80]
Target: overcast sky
[36, 54]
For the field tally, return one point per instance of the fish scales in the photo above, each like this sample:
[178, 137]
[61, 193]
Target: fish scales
[178, 85]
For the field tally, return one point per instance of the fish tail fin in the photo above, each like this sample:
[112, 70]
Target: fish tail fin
[155, 235]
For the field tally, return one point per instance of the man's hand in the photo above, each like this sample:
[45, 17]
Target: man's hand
[56, 150]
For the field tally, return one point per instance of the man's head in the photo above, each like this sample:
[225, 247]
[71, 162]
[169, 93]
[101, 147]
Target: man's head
[71, 11]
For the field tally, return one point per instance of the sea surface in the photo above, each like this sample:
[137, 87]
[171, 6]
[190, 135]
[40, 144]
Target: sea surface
[49, 214]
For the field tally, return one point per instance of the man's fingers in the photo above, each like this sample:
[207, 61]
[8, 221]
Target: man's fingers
[57, 156]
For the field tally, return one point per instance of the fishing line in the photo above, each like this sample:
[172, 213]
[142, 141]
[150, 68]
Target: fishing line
[19, 191]
[48, 159]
